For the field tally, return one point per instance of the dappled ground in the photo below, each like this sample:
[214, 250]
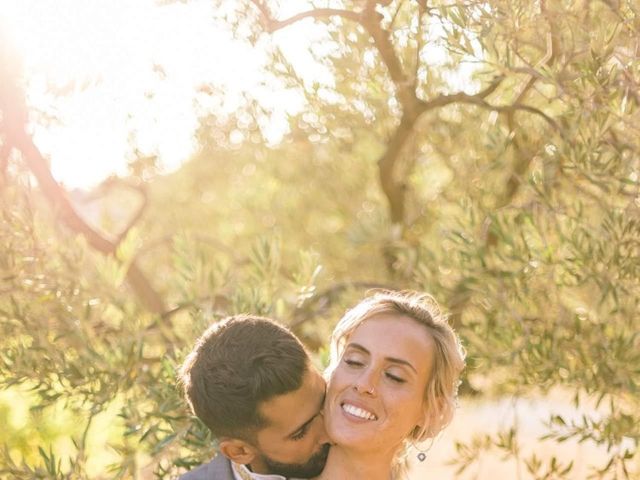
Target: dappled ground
[482, 416]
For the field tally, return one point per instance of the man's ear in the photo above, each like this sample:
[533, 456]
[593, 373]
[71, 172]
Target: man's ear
[237, 450]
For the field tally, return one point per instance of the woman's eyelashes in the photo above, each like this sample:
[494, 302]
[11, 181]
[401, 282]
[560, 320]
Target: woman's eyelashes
[357, 363]
[395, 378]
[353, 362]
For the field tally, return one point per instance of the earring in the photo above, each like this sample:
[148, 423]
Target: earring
[422, 454]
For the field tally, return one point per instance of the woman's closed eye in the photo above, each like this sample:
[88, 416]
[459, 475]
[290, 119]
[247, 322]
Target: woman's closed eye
[352, 362]
[395, 378]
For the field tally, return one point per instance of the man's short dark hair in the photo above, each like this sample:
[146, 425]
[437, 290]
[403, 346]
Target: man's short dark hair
[237, 364]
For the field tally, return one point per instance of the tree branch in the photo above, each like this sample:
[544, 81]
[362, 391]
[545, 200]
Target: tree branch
[405, 88]
[422, 8]
[14, 111]
[323, 300]
[478, 99]
[370, 20]
[394, 189]
[57, 197]
[112, 183]
[395, 14]
[461, 294]
[271, 25]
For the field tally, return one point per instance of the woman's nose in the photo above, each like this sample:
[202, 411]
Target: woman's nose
[365, 384]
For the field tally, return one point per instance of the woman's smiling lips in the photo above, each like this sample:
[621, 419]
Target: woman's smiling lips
[355, 411]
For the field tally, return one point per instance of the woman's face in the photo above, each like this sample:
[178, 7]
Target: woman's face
[375, 394]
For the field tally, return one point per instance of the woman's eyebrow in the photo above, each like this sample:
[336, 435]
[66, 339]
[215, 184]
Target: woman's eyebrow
[397, 360]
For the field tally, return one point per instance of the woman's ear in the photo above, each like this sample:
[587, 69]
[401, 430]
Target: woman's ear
[237, 451]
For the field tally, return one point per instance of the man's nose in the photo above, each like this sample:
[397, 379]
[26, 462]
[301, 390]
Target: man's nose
[323, 437]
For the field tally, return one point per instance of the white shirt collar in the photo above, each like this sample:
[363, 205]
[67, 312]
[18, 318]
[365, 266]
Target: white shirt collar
[241, 472]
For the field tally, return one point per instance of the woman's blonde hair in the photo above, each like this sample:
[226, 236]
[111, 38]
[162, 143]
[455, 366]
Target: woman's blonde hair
[442, 386]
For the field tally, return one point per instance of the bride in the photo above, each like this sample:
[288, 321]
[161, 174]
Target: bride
[395, 364]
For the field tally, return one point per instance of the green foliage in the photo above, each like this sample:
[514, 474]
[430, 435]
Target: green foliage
[522, 219]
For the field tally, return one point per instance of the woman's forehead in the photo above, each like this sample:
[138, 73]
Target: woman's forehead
[394, 335]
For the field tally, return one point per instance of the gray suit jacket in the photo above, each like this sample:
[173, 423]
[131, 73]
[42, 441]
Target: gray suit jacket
[217, 469]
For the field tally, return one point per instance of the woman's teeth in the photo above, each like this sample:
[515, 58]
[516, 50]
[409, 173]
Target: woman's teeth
[358, 412]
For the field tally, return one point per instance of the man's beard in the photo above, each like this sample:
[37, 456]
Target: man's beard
[310, 469]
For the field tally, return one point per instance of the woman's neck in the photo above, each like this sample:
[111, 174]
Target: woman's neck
[343, 464]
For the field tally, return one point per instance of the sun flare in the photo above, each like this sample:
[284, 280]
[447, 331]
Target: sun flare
[110, 72]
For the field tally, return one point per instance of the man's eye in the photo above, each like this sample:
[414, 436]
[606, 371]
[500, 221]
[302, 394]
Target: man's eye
[300, 435]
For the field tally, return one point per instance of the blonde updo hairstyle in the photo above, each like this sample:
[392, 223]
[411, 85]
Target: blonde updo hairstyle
[442, 386]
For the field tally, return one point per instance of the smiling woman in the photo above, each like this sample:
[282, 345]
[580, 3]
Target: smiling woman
[376, 390]
[395, 364]
[110, 74]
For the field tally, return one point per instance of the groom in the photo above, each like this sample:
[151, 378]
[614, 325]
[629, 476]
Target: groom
[252, 383]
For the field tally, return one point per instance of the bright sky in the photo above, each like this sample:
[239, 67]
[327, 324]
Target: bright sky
[103, 53]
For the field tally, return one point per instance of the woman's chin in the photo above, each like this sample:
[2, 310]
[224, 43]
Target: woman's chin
[352, 437]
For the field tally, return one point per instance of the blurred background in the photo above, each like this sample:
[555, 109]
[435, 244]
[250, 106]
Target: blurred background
[164, 164]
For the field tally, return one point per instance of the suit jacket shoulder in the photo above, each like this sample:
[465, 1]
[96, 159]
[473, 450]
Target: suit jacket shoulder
[217, 469]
